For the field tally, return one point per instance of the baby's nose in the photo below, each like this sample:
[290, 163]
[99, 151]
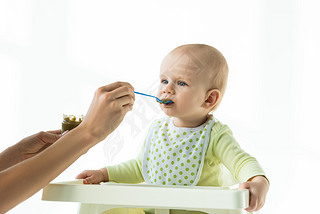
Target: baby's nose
[168, 89]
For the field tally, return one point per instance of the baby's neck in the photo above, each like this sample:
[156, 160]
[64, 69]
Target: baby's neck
[188, 123]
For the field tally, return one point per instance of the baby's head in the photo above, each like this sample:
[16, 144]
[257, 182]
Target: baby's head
[194, 76]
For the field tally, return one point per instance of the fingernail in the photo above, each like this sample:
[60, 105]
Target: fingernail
[64, 133]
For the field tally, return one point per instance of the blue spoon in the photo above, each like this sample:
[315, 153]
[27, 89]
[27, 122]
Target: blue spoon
[158, 100]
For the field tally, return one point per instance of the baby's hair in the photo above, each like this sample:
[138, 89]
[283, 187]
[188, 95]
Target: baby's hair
[213, 62]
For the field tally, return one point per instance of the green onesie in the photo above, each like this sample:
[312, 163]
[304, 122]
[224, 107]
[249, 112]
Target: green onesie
[207, 155]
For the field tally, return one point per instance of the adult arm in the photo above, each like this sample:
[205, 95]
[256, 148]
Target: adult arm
[107, 110]
[27, 148]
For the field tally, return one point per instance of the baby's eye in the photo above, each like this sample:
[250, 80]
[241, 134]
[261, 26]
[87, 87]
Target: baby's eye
[164, 81]
[180, 83]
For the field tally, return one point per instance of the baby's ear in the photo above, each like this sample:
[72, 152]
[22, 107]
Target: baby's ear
[212, 98]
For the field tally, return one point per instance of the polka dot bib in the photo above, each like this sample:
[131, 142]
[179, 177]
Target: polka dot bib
[175, 155]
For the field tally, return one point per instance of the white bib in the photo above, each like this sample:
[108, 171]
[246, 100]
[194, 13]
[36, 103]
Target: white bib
[175, 155]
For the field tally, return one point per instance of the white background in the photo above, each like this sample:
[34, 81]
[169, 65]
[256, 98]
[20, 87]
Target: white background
[54, 54]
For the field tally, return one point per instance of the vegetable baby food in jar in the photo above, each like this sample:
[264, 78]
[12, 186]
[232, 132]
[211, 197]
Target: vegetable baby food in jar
[70, 122]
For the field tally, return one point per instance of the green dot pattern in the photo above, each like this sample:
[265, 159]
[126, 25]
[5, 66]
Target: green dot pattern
[174, 155]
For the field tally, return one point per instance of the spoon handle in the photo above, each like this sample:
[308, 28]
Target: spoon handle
[146, 95]
[158, 100]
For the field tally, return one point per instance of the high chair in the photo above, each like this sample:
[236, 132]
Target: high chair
[95, 199]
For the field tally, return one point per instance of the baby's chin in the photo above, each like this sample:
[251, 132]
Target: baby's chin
[168, 110]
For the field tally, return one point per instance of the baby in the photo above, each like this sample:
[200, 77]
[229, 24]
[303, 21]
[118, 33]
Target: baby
[190, 146]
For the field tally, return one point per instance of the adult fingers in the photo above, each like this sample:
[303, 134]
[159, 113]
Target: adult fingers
[107, 109]
[48, 137]
[123, 91]
[126, 100]
[55, 131]
[103, 93]
[115, 85]
[122, 96]
[127, 108]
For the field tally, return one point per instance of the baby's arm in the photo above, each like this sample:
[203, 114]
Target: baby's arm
[243, 167]
[258, 187]
[94, 176]
[126, 172]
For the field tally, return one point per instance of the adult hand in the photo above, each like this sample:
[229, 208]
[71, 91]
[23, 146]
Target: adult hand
[36, 143]
[27, 148]
[108, 108]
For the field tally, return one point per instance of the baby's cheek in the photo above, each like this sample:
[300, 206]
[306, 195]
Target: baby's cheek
[159, 91]
[186, 103]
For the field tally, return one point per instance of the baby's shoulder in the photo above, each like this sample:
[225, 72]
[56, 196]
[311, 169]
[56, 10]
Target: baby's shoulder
[220, 128]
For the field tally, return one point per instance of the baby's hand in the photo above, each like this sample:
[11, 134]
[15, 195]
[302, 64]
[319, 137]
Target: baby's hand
[258, 188]
[92, 176]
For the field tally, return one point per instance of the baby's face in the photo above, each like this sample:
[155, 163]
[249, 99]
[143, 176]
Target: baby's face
[183, 80]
